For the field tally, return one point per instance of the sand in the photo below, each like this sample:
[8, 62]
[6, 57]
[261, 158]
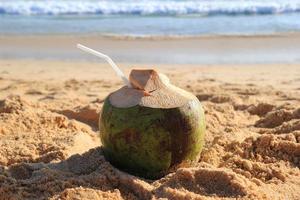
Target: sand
[50, 147]
[184, 50]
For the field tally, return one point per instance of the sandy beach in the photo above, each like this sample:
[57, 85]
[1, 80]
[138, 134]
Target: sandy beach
[240, 59]
[210, 49]
[50, 147]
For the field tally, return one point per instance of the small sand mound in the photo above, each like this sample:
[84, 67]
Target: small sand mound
[87, 193]
[249, 160]
[274, 119]
[27, 133]
[207, 182]
[296, 113]
[249, 91]
[204, 97]
[220, 99]
[271, 149]
[71, 178]
[12, 104]
[260, 109]
[88, 114]
[287, 127]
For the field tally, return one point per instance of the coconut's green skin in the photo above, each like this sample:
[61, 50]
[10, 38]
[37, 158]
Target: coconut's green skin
[151, 142]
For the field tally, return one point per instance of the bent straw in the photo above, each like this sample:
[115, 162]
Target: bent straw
[109, 60]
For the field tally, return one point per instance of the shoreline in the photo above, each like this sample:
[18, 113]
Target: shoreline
[152, 37]
[202, 50]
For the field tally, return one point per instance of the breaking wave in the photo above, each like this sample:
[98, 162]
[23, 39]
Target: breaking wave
[150, 7]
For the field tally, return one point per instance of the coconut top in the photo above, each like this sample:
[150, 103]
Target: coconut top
[149, 89]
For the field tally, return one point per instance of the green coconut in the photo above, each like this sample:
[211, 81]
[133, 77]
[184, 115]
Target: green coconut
[153, 127]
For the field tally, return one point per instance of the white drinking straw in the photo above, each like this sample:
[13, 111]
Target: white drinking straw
[109, 60]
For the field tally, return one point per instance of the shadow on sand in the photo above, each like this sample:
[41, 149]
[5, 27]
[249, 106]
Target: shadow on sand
[89, 170]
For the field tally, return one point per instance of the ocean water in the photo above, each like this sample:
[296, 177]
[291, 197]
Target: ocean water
[145, 18]
[156, 18]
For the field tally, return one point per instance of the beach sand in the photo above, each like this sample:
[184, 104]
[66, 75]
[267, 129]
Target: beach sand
[209, 49]
[50, 147]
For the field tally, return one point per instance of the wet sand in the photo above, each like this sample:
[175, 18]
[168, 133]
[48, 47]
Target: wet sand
[50, 147]
[194, 50]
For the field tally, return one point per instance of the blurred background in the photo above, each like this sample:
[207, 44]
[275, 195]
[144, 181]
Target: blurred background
[153, 31]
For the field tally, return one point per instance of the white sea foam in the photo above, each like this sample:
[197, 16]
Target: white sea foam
[147, 7]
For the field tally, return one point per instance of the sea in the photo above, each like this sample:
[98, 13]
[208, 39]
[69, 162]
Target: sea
[158, 19]
[149, 18]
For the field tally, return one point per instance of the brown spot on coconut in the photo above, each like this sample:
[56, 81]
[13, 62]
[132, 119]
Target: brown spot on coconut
[153, 127]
